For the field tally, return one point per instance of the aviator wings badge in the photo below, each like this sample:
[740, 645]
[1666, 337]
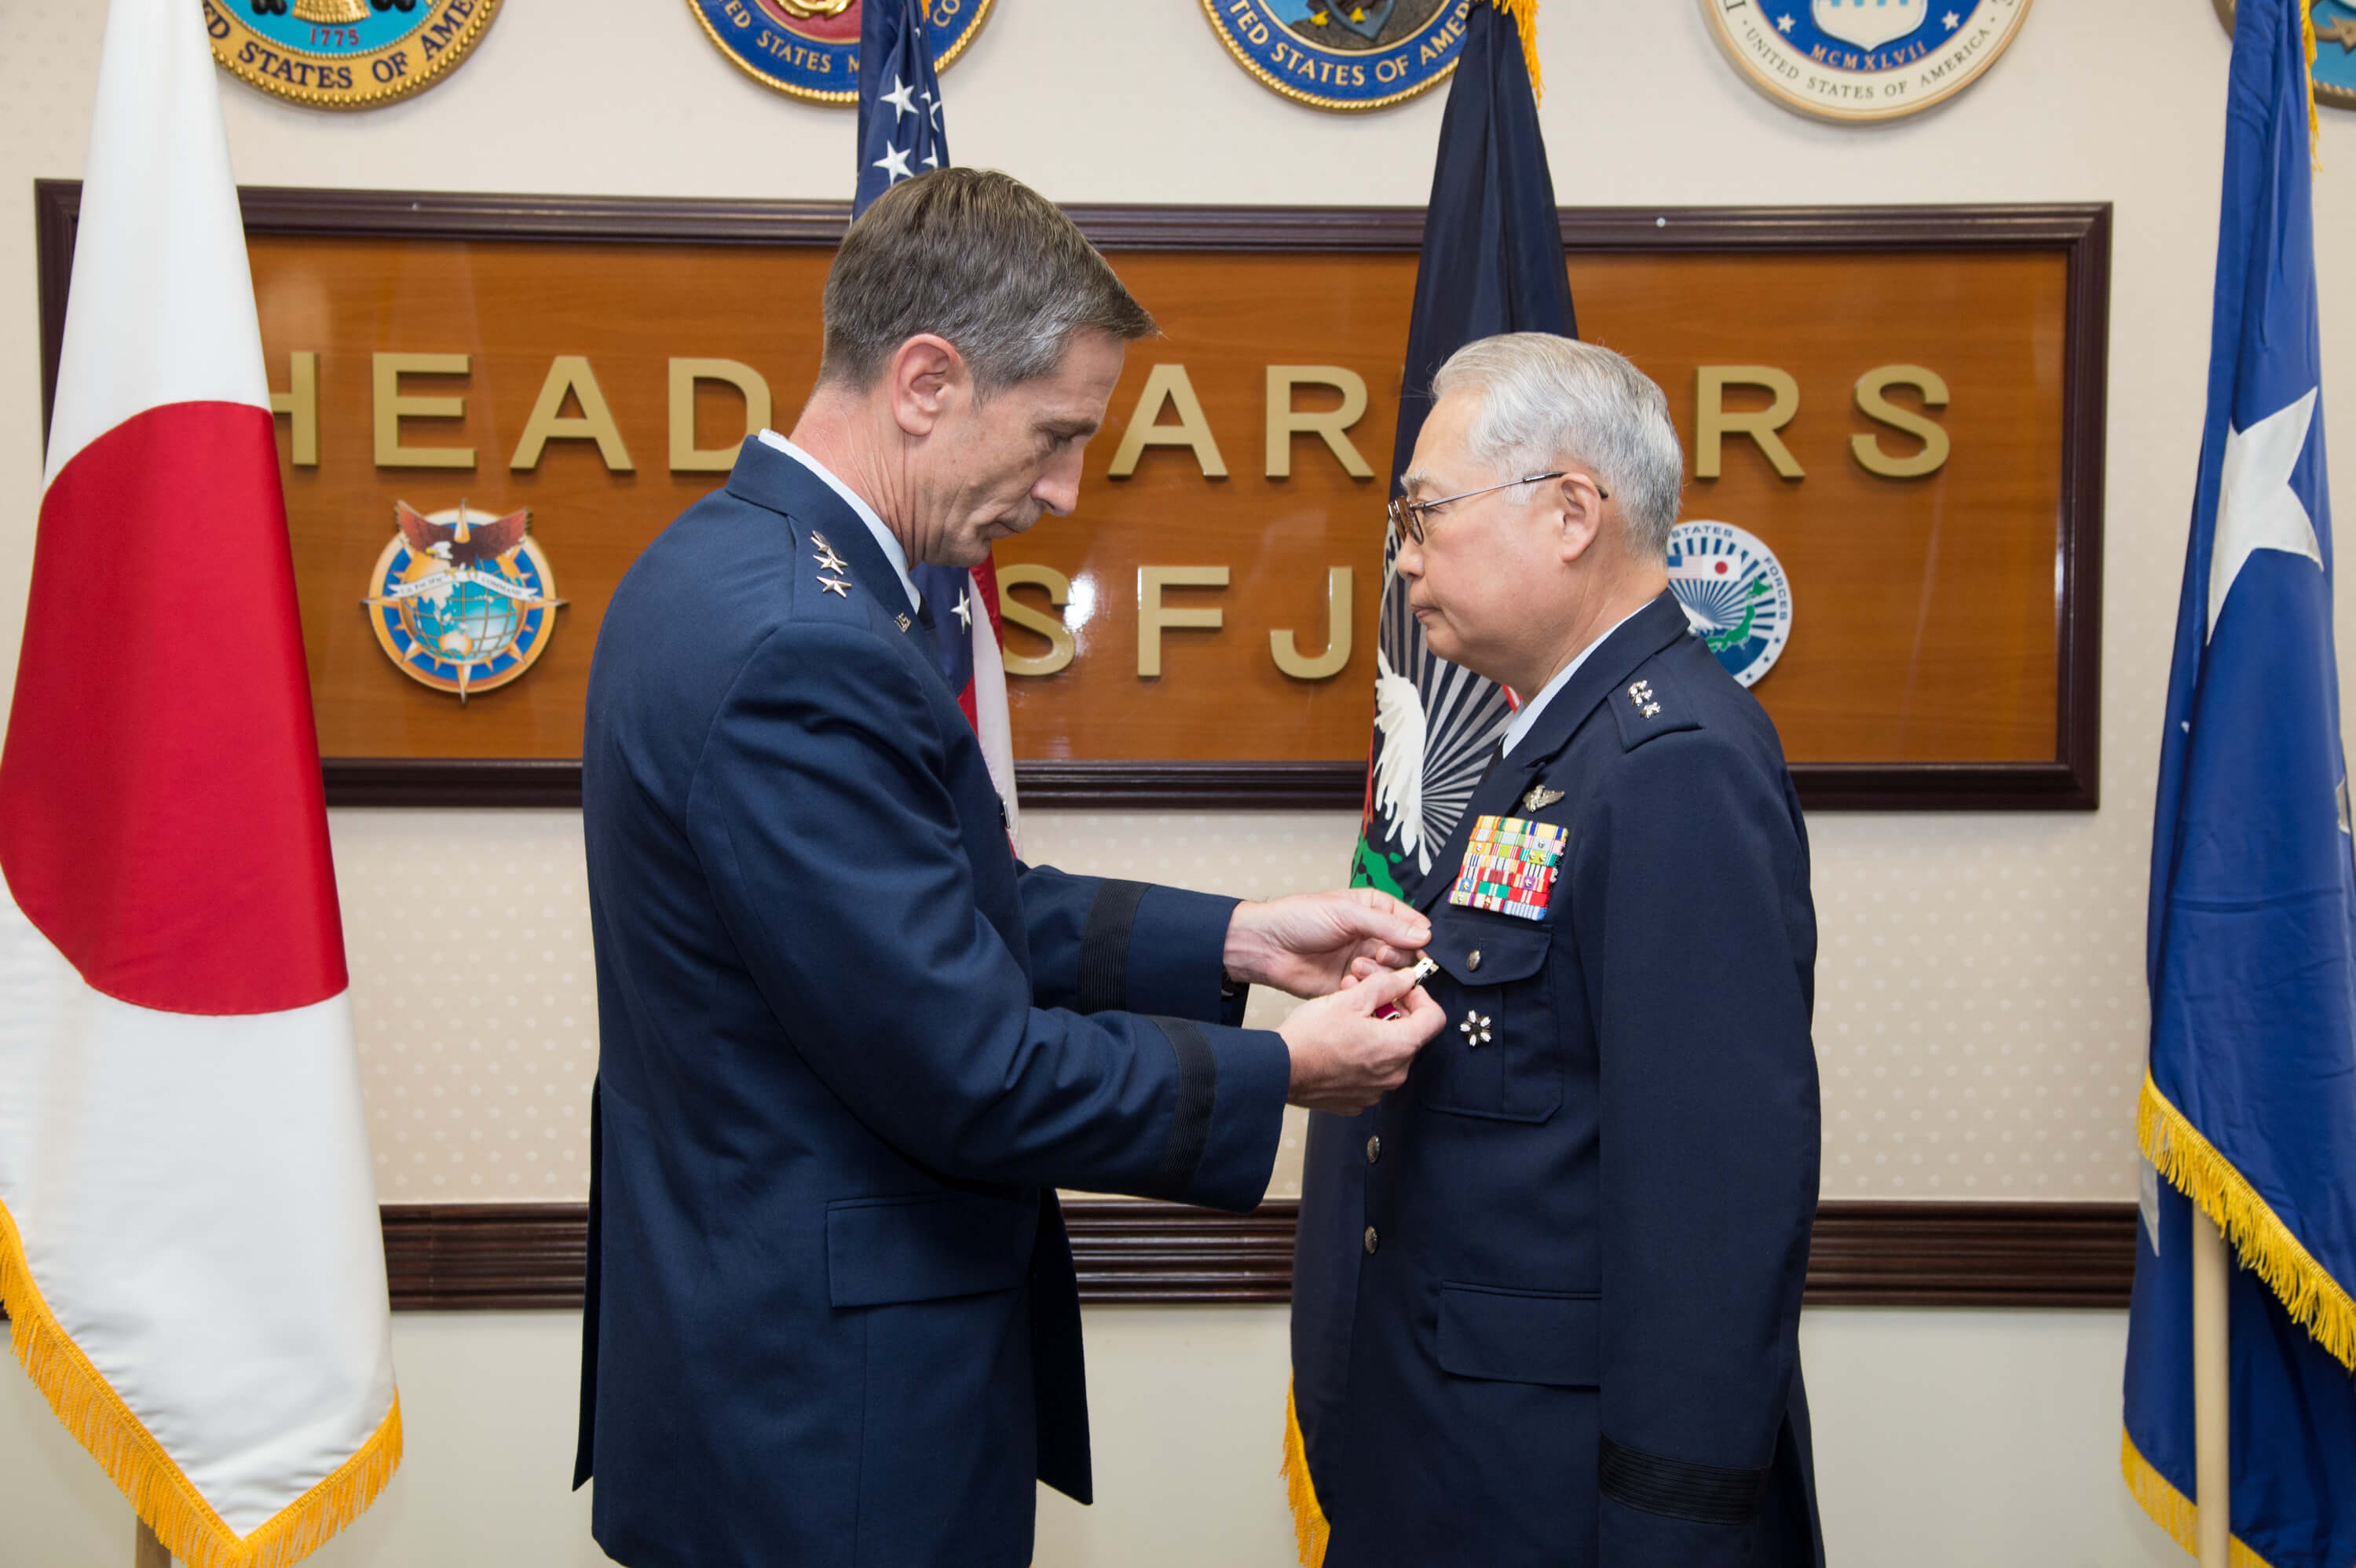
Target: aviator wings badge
[1540, 797]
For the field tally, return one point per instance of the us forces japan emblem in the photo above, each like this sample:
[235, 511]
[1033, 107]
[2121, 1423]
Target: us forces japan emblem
[1735, 596]
[461, 601]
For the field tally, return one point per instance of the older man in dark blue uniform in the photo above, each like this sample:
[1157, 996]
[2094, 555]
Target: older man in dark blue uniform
[1546, 1295]
[850, 1046]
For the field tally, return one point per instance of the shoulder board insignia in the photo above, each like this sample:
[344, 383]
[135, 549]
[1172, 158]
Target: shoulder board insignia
[1640, 697]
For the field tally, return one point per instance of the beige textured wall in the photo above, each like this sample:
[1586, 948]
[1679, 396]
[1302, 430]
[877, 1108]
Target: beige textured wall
[1980, 1015]
[1944, 1440]
[1980, 1018]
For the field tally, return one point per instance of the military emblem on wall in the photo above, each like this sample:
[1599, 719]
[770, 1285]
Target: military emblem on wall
[345, 54]
[1734, 595]
[1863, 60]
[460, 600]
[1360, 54]
[2335, 49]
[809, 49]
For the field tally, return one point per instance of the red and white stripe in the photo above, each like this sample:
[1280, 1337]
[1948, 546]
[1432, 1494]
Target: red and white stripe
[188, 1239]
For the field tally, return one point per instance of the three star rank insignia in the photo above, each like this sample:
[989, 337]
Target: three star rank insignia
[828, 561]
[1510, 865]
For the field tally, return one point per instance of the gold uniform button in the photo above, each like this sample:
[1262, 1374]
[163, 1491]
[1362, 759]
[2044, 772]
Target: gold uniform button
[1473, 959]
[1374, 1150]
[1373, 1240]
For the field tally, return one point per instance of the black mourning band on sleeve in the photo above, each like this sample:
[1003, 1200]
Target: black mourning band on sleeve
[1189, 1121]
[1104, 945]
[1705, 1494]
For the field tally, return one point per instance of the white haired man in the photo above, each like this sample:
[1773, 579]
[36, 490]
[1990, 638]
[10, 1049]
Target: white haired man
[1547, 1293]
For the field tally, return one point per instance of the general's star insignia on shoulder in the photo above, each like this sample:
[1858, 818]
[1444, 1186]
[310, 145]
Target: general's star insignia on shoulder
[1540, 797]
[834, 586]
[827, 560]
[1640, 697]
[1509, 867]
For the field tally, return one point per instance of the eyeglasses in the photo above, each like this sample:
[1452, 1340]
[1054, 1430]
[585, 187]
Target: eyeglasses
[1408, 516]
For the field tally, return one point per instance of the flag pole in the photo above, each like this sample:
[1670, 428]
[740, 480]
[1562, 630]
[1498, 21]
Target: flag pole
[150, 1552]
[2212, 1425]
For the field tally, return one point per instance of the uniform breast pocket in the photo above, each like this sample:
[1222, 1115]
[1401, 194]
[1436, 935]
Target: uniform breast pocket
[1500, 1053]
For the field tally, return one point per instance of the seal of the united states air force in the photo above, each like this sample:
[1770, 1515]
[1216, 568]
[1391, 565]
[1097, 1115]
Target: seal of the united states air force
[1863, 60]
[1353, 54]
[345, 54]
[809, 49]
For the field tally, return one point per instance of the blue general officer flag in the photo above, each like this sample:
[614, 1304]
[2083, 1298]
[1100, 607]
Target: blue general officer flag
[1492, 262]
[2249, 1109]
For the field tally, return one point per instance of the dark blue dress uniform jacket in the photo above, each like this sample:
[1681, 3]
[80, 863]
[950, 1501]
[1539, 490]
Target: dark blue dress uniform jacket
[849, 1049]
[1547, 1293]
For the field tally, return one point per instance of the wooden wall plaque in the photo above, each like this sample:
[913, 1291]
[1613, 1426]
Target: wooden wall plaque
[593, 360]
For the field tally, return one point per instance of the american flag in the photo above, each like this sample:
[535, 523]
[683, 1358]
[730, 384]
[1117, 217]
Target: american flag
[900, 135]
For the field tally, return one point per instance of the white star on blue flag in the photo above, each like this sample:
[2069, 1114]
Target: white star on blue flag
[900, 129]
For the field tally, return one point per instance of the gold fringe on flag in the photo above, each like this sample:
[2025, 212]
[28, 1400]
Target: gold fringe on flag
[2263, 1242]
[1523, 13]
[1309, 1527]
[90, 1410]
[2313, 121]
[2171, 1509]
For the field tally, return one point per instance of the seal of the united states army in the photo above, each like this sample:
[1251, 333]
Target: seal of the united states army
[345, 54]
[1863, 60]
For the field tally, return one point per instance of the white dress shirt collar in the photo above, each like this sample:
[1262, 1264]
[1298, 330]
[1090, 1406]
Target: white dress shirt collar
[1530, 709]
[885, 539]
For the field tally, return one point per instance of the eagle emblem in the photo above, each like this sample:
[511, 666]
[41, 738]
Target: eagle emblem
[462, 601]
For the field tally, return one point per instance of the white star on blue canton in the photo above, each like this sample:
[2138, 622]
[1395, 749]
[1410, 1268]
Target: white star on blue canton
[2256, 507]
[899, 98]
[964, 611]
[894, 164]
[931, 160]
[1785, 23]
[1952, 20]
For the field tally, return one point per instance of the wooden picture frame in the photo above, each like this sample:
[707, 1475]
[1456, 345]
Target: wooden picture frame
[2080, 232]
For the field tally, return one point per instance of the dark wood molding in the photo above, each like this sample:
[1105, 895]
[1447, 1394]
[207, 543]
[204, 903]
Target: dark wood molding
[2082, 230]
[482, 1257]
[1215, 787]
[453, 781]
[495, 1257]
[1972, 1254]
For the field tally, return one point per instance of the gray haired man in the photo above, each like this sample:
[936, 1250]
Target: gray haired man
[849, 1047]
[1546, 1295]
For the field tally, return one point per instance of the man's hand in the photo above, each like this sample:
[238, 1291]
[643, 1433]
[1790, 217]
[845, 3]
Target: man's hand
[1304, 943]
[1345, 1058]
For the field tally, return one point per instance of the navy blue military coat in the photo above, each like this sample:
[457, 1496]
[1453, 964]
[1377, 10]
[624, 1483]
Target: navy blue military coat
[849, 1049]
[1547, 1293]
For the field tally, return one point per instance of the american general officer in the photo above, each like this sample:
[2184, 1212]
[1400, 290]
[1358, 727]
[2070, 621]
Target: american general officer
[850, 1046]
[1546, 1295]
